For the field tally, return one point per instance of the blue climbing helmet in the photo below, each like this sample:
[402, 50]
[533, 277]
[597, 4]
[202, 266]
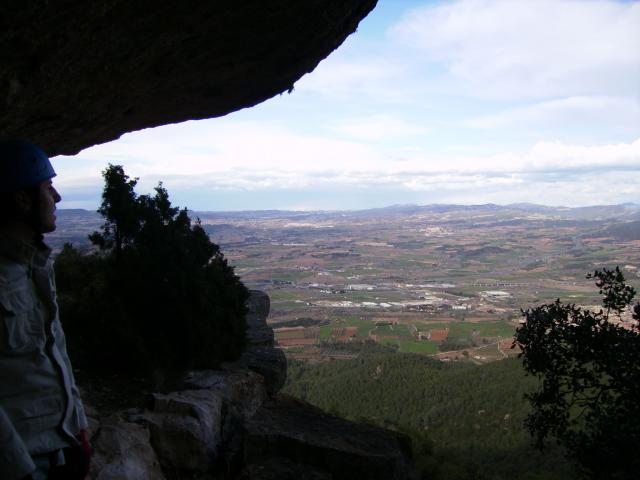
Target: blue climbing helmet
[22, 164]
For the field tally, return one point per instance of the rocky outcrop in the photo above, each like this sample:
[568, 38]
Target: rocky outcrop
[76, 73]
[259, 355]
[297, 432]
[186, 429]
[123, 451]
[278, 468]
[258, 332]
[232, 423]
[197, 429]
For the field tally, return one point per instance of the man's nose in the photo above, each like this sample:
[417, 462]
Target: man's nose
[56, 196]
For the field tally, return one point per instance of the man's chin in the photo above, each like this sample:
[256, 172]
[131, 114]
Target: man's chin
[47, 228]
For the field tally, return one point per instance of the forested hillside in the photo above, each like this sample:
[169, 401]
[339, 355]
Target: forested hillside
[465, 420]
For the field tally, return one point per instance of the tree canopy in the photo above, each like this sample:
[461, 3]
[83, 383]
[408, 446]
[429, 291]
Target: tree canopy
[158, 296]
[588, 362]
[465, 420]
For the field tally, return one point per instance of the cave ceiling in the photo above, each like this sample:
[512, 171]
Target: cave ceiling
[76, 73]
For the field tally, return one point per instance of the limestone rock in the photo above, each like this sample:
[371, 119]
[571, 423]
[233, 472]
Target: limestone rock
[91, 414]
[282, 469]
[123, 452]
[288, 428]
[270, 362]
[228, 423]
[260, 355]
[186, 429]
[76, 73]
[258, 332]
[259, 303]
[242, 390]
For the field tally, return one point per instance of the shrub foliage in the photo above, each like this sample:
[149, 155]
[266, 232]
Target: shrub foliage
[465, 420]
[158, 296]
[589, 366]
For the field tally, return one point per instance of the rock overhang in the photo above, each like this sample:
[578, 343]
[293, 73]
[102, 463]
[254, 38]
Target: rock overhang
[76, 74]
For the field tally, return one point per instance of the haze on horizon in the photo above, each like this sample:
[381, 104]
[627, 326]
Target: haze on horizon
[456, 102]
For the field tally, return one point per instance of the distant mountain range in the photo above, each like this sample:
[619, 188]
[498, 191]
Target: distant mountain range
[624, 231]
[624, 211]
[618, 222]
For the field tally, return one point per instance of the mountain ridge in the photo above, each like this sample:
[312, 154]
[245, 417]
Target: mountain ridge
[628, 207]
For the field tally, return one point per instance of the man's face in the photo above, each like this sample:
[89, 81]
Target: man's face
[48, 199]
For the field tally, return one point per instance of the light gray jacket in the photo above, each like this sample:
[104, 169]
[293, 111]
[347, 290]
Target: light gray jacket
[40, 407]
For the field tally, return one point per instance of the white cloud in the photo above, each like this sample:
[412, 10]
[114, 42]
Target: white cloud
[601, 111]
[226, 155]
[221, 151]
[555, 156]
[346, 75]
[566, 72]
[525, 48]
[341, 77]
[378, 127]
[590, 189]
[549, 156]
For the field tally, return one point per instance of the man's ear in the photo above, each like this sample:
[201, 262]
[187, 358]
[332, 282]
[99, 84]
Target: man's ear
[24, 202]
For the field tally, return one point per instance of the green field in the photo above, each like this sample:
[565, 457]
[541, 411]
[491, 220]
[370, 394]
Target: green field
[498, 328]
[363, 325]
[290, 334]
[418, 346]
[277, 295]
[405, 339]
[289, 305]
[325, 331]
[489, 352]
[385, 330]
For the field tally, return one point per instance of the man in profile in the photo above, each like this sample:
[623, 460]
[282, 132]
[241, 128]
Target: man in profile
[42, 421]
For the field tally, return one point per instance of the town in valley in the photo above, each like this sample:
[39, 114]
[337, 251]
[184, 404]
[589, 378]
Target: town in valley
[448, 281]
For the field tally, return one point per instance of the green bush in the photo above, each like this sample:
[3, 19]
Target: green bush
[588, 363]
[158, 297]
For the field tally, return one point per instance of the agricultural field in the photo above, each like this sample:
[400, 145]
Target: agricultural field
[442, 280]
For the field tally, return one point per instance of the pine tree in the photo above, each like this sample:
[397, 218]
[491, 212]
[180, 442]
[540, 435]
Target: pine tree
[165, 299]
[588, 364]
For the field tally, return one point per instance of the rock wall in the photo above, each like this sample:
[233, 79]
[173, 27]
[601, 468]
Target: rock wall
[75, 73]
[232, 423]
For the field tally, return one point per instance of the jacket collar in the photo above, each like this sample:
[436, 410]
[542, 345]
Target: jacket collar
[36, 254]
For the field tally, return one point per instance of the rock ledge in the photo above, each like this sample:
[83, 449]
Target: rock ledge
[232, 423]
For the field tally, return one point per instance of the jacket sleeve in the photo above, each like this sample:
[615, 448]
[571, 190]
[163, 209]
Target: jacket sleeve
[15, 461]
[80, 419]
[78, 411]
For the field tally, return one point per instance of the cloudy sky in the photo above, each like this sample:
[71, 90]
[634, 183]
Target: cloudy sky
[464, 101]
